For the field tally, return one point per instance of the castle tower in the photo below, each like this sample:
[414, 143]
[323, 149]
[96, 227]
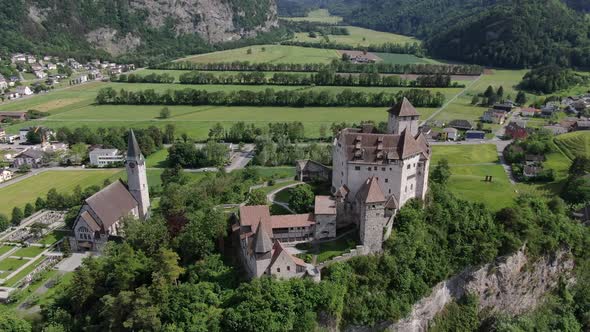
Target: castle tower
[137, 177]
[403, 116]
[262, 250]
[371, 211]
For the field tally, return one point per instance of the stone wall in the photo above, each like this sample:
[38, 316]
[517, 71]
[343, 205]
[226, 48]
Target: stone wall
[512, 285]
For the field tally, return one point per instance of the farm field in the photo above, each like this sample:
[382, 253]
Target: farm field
[27, 190]
[404, 59]
[197, 120]
[576, 144]
[319, 15]
[358, 37]
[268, 53]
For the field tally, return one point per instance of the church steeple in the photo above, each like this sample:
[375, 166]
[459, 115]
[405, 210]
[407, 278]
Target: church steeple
[137, 177]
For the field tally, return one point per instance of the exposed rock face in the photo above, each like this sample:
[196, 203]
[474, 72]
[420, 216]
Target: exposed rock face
[107, 39]
[511, 286]
[213, 20]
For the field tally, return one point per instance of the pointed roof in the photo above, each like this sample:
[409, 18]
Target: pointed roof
[409, 145]
[112, 203]
[262, 243]
[279, 250]
[342, 191]
[403, 108]
[133, 150]
[392, 203]
[371, 191]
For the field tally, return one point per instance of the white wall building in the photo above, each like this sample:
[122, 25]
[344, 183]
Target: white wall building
[105, 157]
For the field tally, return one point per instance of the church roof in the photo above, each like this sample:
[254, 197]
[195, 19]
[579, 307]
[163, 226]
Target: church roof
[370, 191]
[112, 203]
[404, 108]
[263, 243]
[133, 150]
[90, 221]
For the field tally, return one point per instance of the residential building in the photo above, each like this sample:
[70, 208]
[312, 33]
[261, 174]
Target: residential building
[532, 171]
[31, 157]
[102, 214]
[450, 134]
[556, 129]
[2, 134]
[14, 116]
[530, 112]
[5, 175]
[515, 131]
[24, 90]
[494, 116]
[534, 159]
[582, 125]
[12, 95]
[3, 83]
[105, 157]
[547, 111]
[461, 124]
[40, 74]
[505, 107]
[51, 66]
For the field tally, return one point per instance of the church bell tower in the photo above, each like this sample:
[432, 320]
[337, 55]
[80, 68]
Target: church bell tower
[137, 177]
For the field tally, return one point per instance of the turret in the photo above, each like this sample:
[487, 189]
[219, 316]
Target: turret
[137, 177]
[403, 116]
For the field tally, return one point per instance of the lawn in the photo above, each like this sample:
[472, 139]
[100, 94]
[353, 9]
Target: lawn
[318, 15]
[5, 249]
[335, 248]
[281, 172]
[27, 190]
[28, 252]
[358, 37]
[576, 144]
[464, 154]
[158, 159]
[269, 189]
[52, 237]
[268, 53]
[467, 182]
[8, 265]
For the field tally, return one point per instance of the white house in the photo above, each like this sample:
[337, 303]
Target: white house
[105, 157]
[24, 90]
[452, 133]
[5, 175]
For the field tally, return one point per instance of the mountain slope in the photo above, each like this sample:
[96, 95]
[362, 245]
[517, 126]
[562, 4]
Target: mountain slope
[132, 26]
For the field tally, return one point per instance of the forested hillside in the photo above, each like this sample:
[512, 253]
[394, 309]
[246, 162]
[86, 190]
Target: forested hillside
[490, 32]
[145, 28]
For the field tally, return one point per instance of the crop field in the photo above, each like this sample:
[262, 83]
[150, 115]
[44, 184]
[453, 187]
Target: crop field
[319, 15]
[576, 144]
[27, 190]
[464, 154]
[268, 53]
[404, 59]
[358, 37]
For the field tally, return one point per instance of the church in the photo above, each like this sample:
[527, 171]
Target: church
[102, 213]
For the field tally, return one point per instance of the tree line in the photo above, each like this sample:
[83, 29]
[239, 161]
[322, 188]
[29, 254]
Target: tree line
[336, 65]
[401, 48]
[325, 77]
[549, 79]
[150, 78]
[268, 97]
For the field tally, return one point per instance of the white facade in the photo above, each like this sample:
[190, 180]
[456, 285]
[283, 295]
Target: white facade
[5, 175]
[105, 157]
[24, 90]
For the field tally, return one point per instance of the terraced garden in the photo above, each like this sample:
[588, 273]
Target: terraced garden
[576, 144]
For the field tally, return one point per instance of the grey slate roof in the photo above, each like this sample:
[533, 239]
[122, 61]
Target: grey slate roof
[263, 243]
[404, 108]
[112, 203]
[133, 150]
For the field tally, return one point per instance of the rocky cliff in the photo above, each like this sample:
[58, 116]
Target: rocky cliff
[123, 26]
[512, 286]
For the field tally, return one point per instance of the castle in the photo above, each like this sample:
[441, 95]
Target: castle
[373, 175]
[102, 213]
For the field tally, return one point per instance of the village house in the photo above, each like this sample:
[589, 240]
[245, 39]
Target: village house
[450, 134]
[19, 58]
[5, 175]
[102, 214]
[548, 110]
[504, 107]
[461, 124]
[556, 129]
[3, 83]
[582, 125]
[516, 131]
[12, 95]
[532, 171]
[534, 159]
[31, 157]
[494, 116]
[40, 74]
[24, 90]
[475, 135]
[105, 157]
[530, 112]
[13, 116]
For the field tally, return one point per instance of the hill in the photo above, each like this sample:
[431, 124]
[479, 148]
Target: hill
[506, 33]
[142, 27]
[576, 144]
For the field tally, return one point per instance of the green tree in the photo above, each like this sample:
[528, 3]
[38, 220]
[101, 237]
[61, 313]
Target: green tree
[78, 153]
[442, 172]
[198, 237]
[580, 166]
[489, 92]
[35, 136]
[40, 204]
[24, 168]
[4, 222]
[302, 198]
[9, 322]
[500, 92]
[475, 100]
[29, 210]
[149, 236]
[256, 197]
[521, 98]
[164, 113]
[17, 216]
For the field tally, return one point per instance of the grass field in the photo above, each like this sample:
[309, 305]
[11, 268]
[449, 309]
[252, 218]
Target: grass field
[10, 264]
[28, 252]
[27, 190]
[464, 154]
[14, 280]
[467, 182]
[358, 37]
[158, 159]
[51, 238]
[268, 53]
[5, 249]
[576, 144]
[319, 15]
[404, 59]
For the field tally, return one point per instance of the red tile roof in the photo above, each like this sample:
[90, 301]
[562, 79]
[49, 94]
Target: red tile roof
[324, 205]
[404, 108]
[371, 192]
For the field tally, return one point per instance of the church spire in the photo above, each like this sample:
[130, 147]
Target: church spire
[133, 150]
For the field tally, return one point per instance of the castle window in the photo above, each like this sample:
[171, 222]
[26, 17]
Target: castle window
[386, 180]
[391, 169]
[409, 166]
[390, 191]
[375, 168]
[368, 168]
[412, 186]
[383, 169]
[288, 268]
[406, 189]
[357, 168]
[278, 269]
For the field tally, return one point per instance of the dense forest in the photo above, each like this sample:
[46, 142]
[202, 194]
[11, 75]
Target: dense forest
[490, 32]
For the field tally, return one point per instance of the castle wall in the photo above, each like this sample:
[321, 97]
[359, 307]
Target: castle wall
[325, 226]
[408, 183]
[422, 179]
[389, 177]
[284, 268]
[372, 226]
[396, 125]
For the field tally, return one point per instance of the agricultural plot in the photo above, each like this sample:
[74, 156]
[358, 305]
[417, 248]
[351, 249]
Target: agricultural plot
[576, 144]
[357, 37]
[319, 15]
[268, 53]
[404, 59]
[465, 154]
